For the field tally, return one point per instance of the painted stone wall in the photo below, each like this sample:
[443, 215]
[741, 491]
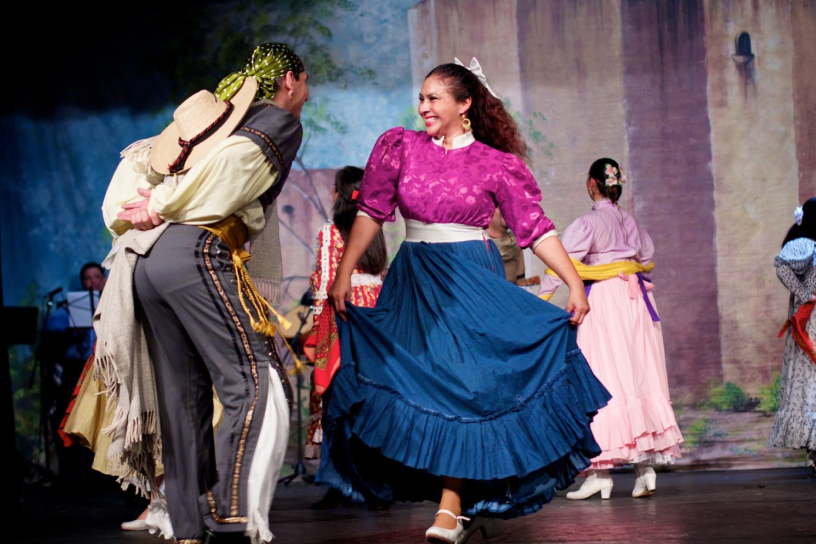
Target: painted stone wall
[572, 68]
[443, 29]
[803, 29]
[669, 154]
[753, 144]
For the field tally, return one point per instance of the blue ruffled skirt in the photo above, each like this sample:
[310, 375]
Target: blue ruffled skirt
[457, 372]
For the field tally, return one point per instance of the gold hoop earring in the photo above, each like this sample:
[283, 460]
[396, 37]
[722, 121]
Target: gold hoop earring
[466, 124]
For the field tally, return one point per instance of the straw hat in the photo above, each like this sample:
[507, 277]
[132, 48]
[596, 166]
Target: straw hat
[199, 124]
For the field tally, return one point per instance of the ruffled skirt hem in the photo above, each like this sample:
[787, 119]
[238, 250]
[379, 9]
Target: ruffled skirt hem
[437, 382]
[517, 460]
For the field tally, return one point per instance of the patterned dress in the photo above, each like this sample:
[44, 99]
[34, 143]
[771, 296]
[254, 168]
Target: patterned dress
[365, 290]
[456, 372]
[795, 424]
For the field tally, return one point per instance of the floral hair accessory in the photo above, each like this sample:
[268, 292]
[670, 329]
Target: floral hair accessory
[354, 195]
[614, 176]
[798, 214]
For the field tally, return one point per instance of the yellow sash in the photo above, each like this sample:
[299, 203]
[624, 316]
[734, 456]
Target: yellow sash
[234, 234]
[600, 272]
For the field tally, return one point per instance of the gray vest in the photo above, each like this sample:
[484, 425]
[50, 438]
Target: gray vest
[278, 133]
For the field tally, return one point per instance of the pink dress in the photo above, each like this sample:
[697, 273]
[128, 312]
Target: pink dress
[622, 342]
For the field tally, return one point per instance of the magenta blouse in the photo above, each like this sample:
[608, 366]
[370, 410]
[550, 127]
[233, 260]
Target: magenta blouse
[464, 186]
[605, 235]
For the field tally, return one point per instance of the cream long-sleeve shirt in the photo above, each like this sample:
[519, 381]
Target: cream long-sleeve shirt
[228, 181]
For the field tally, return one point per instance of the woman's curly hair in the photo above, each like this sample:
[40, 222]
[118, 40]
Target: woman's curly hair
[491, 123]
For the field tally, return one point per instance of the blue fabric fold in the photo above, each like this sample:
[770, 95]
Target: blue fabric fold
[458, 373]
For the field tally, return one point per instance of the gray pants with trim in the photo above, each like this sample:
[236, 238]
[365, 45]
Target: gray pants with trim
[199, 336]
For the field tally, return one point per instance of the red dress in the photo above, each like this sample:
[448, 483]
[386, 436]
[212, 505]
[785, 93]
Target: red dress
[365, 290]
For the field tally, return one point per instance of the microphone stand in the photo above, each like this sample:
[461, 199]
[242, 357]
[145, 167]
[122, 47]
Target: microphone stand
[299, 468]
[45, 392]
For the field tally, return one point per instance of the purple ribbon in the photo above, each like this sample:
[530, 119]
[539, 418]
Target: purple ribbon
[649, 306]
[641, 281]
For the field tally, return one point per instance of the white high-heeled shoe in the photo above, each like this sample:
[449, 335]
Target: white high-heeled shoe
[595, 482]
[485, 525]
[135, 525]
[438, 535]
[645, 481]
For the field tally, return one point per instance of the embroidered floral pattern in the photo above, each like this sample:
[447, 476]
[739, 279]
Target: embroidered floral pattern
[429, 184]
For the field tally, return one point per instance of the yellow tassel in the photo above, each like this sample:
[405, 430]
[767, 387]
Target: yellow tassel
[300, 367]
[233, 233]
[248, 291]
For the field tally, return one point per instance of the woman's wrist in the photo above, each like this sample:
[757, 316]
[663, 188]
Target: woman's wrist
[343, 272]
[575, 285]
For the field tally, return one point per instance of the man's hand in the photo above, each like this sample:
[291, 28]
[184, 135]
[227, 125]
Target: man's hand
[138, 215]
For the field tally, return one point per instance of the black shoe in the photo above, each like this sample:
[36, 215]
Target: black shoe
[225, 538]
[332, 499]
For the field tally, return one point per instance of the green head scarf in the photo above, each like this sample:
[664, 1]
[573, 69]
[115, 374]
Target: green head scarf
[267, 63]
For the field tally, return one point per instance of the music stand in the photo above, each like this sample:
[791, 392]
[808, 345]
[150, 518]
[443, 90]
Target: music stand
[81, 306]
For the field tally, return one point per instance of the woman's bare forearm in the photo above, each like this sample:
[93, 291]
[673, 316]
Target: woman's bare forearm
[553, 254]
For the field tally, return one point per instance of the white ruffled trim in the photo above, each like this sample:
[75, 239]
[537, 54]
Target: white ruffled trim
[322, 291]
[358, 280]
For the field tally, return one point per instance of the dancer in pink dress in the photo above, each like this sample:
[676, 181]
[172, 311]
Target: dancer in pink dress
[621, 337]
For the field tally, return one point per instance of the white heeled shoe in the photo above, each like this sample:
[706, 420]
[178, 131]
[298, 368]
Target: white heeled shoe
[645, 481]
[485, 525]
[595, 482]
[135, 525]
[438, 535]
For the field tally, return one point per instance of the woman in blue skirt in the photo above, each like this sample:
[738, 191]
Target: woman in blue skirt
[458, 386]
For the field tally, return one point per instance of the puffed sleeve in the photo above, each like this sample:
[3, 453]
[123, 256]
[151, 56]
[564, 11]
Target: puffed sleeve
[378, 193]
[577, 241]
[646, 250]
[518, 197]
[793, 261]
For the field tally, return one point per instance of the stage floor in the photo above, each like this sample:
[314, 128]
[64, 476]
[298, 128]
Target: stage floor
[734, 507]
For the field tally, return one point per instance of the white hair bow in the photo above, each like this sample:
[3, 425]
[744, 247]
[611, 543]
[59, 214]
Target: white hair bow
[476, 68]
[798, 215]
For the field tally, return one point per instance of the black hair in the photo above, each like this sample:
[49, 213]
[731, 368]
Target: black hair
[88, 266]
[347, 180]
[492, 124]
[598, 172]
[808, 227]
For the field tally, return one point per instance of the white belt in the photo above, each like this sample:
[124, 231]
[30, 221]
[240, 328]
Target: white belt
[365, 279]
[440, 233]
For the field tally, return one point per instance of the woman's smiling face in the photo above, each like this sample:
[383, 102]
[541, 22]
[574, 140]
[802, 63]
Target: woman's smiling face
[441, 112]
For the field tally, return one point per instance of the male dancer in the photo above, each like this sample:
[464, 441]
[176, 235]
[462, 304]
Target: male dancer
[221, 165]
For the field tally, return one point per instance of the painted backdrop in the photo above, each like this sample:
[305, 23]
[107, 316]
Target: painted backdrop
[709, 105]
